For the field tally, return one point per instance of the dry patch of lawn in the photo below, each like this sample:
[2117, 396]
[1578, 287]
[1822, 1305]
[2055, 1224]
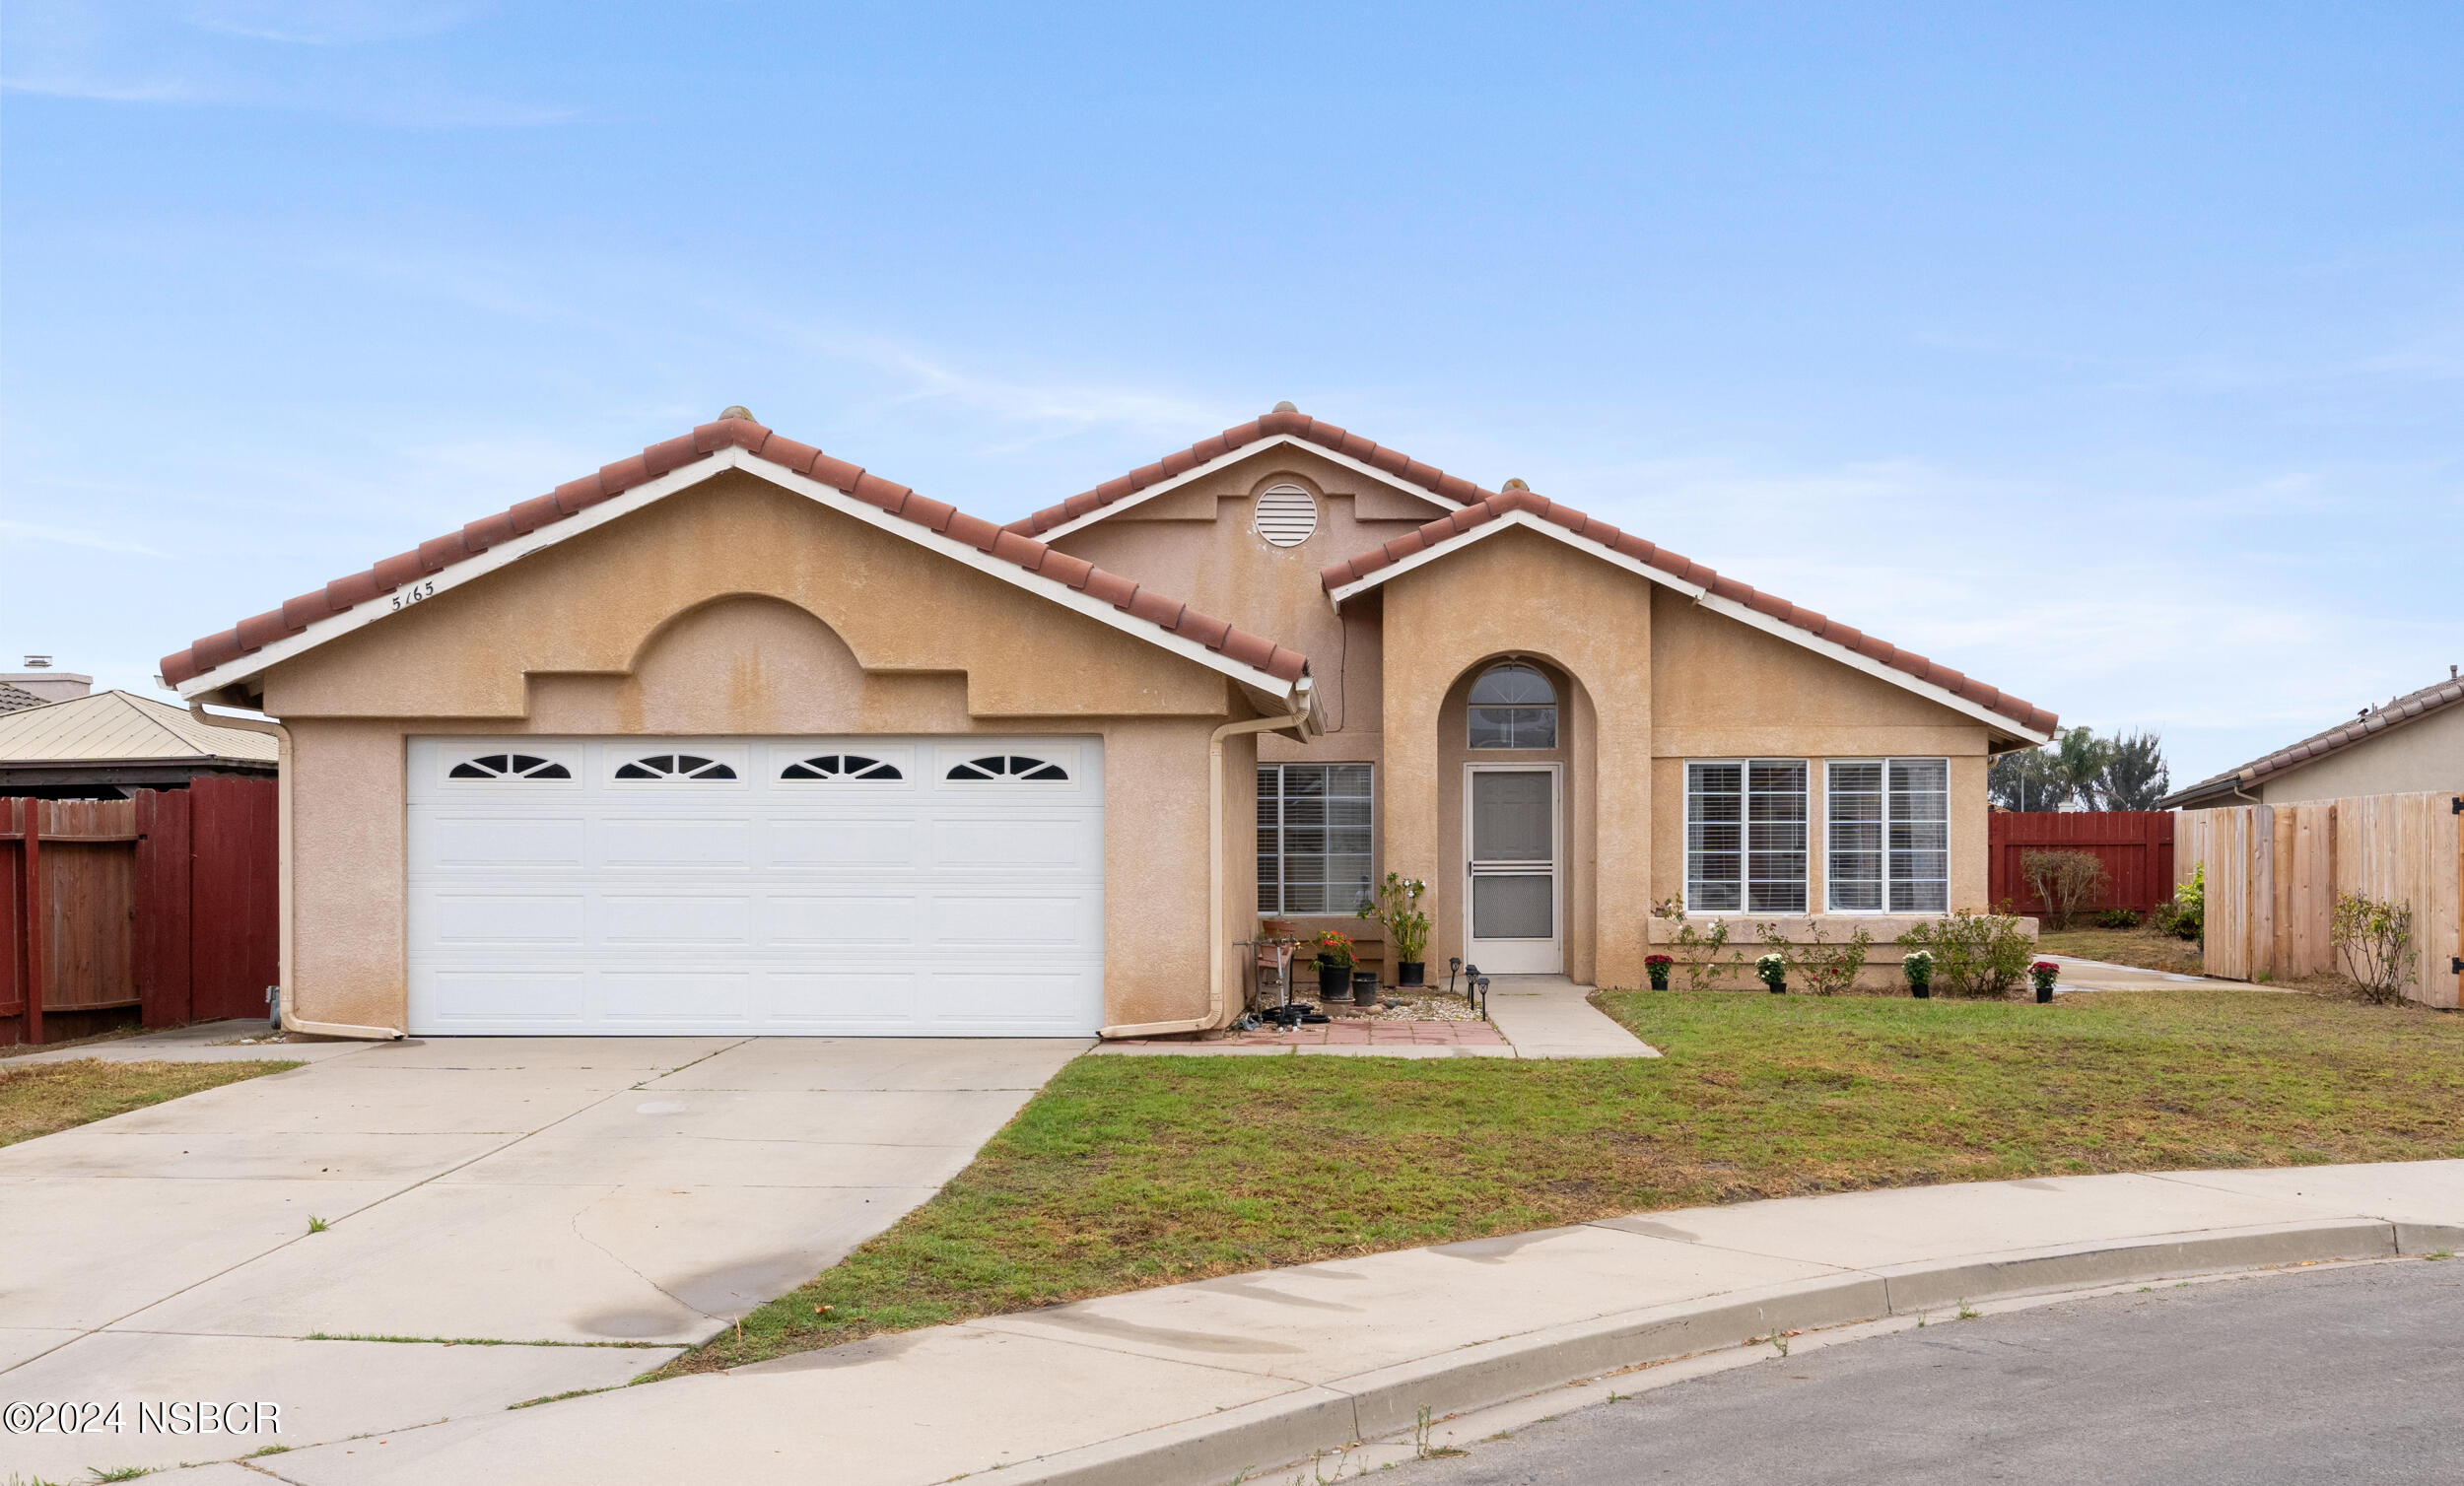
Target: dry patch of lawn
[40, 1098]
[1130, 1172]
[2141, 948]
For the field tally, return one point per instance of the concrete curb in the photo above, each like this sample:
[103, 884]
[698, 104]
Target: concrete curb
[1274, 1432]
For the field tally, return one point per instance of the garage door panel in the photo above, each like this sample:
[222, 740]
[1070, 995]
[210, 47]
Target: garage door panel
[842, 1000]
[509, 918]
[867, 920]
[886, 842]
[665, 1000]
[637, 919]
[995, 920]
[1039, 841]
[477, 840]
[684, 842]
[841, 904]
[484, 1000]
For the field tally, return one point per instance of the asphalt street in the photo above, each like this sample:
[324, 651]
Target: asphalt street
[2347, 1375]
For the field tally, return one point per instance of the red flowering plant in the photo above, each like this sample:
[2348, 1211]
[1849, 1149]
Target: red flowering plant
[1335, 947]
[2042, 972]
[1657, 967]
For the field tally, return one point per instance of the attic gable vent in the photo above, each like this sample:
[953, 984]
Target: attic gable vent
[1286, 516]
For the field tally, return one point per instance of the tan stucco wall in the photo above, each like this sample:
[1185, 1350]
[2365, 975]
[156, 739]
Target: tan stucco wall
[2423, 754]
[737, 608]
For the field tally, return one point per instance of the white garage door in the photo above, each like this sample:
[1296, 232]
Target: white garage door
[891, 887]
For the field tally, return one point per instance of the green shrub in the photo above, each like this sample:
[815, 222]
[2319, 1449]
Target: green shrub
[2376, 941]
[2186, 917]
[2118, 919]
[1975, 954]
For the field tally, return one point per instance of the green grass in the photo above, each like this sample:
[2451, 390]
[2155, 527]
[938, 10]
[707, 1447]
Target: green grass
[1131, 1172]
[38, 1098]
[2144, 948]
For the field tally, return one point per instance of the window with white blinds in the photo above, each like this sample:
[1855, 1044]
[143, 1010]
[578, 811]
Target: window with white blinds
[1889, 835]
[1315, 830]
[1745, 836]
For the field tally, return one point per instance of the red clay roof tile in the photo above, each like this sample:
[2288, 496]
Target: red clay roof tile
[1436, 534]
[575, 495]
[1451, 488]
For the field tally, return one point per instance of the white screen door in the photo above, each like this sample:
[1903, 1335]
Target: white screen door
[1511, 842]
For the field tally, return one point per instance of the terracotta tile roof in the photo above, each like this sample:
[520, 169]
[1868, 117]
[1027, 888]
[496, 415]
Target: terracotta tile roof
[437, 554]
[2435, 697]
[1457, 524]
[1452, 488]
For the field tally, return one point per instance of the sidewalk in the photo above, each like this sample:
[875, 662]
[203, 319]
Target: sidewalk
[1199, 1383]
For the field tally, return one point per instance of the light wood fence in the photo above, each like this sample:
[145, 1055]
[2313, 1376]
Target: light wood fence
[2274, 873]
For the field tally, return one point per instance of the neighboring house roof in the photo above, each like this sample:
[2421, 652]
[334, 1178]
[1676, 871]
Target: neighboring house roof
[1517, 506]
[2409, 707]
[117, 727]
[17, 698]
[734, 441]
[1284, 425]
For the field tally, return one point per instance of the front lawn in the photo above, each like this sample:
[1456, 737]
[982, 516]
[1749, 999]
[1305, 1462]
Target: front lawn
[40, 1098]
[1130, 1172]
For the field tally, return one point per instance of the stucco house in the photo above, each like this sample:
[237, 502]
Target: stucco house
[2408, 745]
[736, 736]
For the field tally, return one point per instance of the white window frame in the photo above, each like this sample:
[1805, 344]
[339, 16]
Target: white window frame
[1746, 880]
[1280, 912]
[1830, 877]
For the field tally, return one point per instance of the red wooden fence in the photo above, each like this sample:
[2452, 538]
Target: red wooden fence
[2135, 845]
[164, 905]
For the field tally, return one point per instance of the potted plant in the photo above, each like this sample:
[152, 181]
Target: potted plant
[1657, 967]
[2044, 973]
[1334, 964]
[1397, 909]
[1918, 966]
[1773, 968]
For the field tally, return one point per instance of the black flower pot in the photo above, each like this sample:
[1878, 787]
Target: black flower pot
[1411, 973]
[1659, 980]
[1334, 982]
[2044, 992]
[1364, 988]
[1921, 989]
[1778, 987]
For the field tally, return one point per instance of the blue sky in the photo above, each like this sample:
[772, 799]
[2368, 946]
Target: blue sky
[2114, 354]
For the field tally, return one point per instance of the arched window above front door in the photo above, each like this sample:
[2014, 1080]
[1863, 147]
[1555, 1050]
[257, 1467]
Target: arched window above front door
[1513, 706]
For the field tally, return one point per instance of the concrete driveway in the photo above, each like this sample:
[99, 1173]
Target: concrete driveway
[597, 1204]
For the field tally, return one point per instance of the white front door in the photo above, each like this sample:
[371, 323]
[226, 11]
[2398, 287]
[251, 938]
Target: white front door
[1511, 835]
[851, 886]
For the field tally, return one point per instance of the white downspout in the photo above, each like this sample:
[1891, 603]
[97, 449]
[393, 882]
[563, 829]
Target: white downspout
[282, 884]
[1216, 947]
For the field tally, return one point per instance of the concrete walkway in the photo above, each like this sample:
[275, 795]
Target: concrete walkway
[2096, 974]
[1550, 1016]
[1239, 1378]
[597, 1204]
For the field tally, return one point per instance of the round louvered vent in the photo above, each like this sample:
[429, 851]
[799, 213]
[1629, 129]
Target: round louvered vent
[1286, 516]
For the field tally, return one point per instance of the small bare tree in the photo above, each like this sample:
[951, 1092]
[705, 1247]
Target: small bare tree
[2376, 941]
[2064, 881]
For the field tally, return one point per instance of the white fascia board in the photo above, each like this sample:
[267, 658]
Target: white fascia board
[334, 626]
[1732, 608]
[1246, 451]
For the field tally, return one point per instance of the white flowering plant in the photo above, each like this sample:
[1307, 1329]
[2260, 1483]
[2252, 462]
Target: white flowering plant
[1772, 968]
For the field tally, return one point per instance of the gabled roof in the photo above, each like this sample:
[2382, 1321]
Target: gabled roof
[1285, 424]
[1517, 506]
[2409, 707]
[118, 727]
[733, 442]
[17, 698]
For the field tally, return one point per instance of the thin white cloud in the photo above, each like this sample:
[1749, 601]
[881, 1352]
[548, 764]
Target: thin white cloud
[64, 537]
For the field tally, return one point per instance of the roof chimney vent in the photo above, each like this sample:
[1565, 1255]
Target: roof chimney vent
[38, 662]
[735, 410]
[1285, 407]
